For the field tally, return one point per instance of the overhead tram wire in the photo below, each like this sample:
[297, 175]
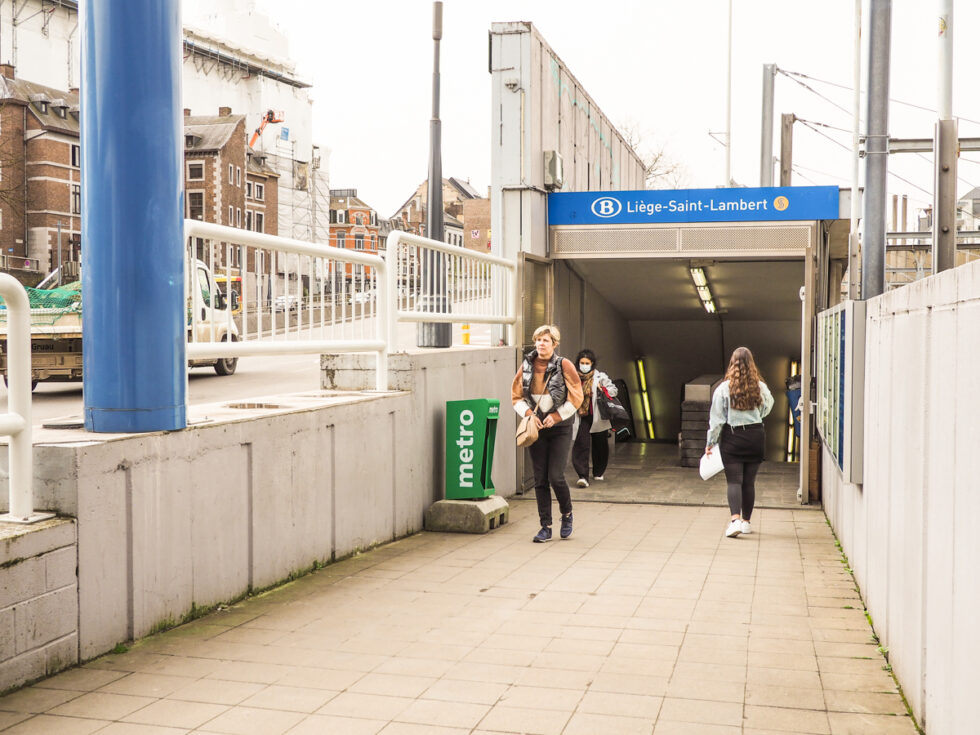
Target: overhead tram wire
[793, 74]
[849, 150]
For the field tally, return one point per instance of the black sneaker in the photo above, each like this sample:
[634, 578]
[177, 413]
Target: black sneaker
[543, 535]
[566, 526]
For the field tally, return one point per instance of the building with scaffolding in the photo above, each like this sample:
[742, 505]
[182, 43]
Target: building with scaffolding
[236, 58]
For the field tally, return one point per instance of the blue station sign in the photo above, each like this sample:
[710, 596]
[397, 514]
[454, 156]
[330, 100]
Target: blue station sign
[693, 205]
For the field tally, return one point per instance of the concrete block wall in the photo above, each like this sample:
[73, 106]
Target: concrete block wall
[909, 530]
[38, 600]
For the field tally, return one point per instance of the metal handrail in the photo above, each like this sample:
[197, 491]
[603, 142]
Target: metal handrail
[476, 283]
[16, 423]
[213, 349]
[502, 307]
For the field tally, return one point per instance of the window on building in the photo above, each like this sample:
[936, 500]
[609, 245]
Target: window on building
[359, 219]
[248, 219]
[341, 239]
[259, 222]
[231, 216]
[195, 205]
[76, 199]
[238, 217]
[238, 176]
[358, 242]
[248, 189]
[76, 156]
[195, 171]
[260, 192]
[231, 174]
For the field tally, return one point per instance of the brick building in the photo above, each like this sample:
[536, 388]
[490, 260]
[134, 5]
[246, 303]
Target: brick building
[458, 199]
[228, 183]
[476, 224]
[40, 177]
[353, 225]
[225, 181]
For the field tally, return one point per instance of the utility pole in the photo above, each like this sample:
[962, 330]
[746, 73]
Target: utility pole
[728, 105]
[946, 145]
[765, 149]
[853, 239]
[434, 334]
[876, 156]
[786, 149]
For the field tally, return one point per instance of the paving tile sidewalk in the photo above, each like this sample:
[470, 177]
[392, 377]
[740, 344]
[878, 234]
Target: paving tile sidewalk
[646, 621]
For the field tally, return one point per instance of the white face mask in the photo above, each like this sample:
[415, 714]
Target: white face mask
[584, 368]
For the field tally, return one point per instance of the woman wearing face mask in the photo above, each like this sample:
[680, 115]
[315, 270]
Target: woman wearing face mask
[593, 431]
[547, 386]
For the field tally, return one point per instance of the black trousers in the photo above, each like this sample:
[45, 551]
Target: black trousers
[549, 455]
[585, 444]
[742, 451]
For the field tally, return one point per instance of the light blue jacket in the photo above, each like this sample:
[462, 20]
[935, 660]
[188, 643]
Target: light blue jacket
[722, 413]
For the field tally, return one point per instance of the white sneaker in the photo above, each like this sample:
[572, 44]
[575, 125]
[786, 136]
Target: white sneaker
[582, 482]
[598, 477]
[746, 527]
[734, 528]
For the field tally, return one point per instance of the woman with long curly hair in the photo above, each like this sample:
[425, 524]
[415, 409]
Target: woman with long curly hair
[737, 409]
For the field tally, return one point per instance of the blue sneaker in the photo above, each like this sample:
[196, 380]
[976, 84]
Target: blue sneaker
[566, 526]
[543, 535]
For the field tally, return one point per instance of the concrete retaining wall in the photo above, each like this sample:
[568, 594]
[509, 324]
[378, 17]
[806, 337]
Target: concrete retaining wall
[38, 600]
[432, 377]
[910, 530]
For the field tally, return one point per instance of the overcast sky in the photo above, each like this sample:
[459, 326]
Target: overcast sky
[655, 64]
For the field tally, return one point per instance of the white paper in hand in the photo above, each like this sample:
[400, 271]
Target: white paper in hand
[711, 463]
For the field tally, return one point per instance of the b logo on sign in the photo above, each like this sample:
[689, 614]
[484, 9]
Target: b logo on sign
[606, 207]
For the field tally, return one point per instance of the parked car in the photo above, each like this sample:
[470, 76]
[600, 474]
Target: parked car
[286, 302]
[364, 297]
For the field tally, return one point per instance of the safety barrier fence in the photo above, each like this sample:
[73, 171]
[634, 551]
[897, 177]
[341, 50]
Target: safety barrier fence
[293, 297]
[433, 281]
[256, 294]
[16, 422]
[909, 254]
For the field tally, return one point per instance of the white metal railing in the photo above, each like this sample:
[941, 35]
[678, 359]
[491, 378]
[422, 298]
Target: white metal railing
[293, 297]
[433, 281]
[285, 296]
[16, 423]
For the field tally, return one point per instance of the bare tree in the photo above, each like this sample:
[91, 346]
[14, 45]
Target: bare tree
[661, 170]
[12, 192]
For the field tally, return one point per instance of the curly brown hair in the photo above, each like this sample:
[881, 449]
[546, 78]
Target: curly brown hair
[743, 380]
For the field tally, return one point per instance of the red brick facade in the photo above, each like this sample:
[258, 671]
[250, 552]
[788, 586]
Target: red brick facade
[353, 224]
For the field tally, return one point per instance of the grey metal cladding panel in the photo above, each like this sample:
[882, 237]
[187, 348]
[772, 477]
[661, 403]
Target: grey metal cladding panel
[614, 241]
[735, 239]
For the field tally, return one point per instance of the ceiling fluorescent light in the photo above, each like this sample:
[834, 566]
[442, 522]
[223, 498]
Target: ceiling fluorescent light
[699, 278]
[704, 293]
[709, 306]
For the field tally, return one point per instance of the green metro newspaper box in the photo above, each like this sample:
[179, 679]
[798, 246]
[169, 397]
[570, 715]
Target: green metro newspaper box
[471, 427]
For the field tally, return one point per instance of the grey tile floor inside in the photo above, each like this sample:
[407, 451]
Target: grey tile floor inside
[649, 473]
[646, 621]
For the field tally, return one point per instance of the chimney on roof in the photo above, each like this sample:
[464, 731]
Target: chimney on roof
[7, 71]
[73, 90]
[224, 111]
[187, 112]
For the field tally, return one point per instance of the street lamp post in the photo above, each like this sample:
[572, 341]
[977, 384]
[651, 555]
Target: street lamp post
[434, 285]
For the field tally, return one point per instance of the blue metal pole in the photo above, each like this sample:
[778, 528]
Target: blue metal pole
[134, 363]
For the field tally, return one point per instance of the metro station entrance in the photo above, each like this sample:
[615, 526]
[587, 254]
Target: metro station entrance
[680, 296]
